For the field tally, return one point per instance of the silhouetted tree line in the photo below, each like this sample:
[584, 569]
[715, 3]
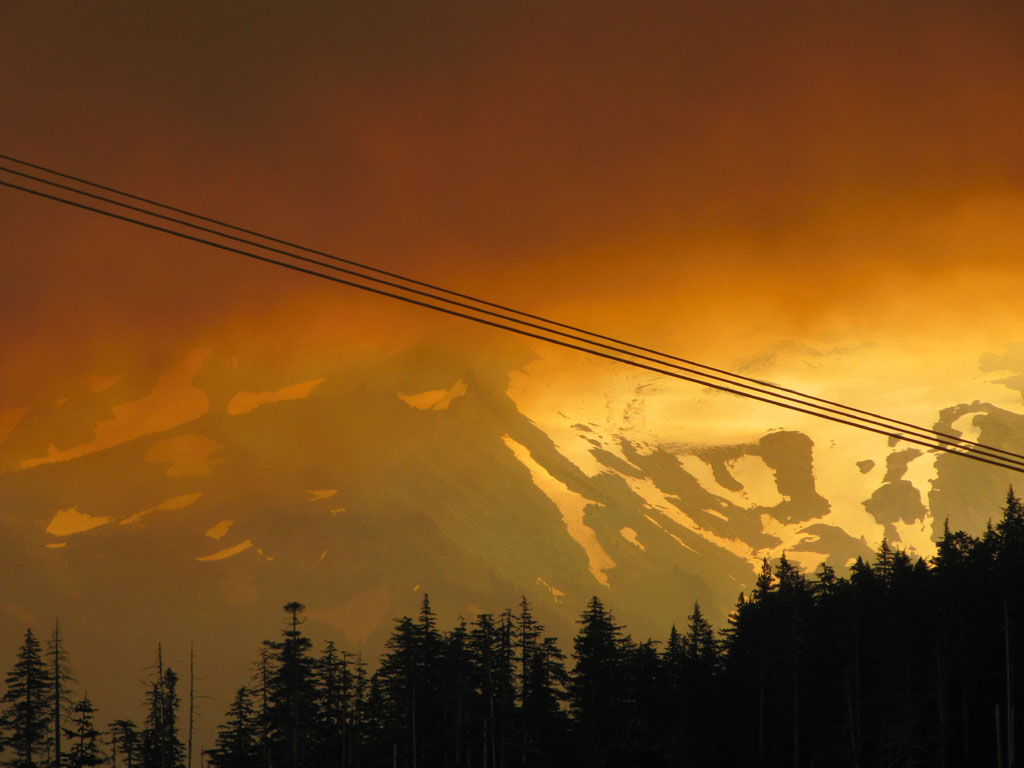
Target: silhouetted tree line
[903, 663]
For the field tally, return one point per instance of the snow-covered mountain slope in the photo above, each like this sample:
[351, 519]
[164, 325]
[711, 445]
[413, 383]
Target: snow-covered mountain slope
[191, 506]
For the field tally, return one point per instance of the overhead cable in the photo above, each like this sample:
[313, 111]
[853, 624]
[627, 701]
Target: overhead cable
[762, 392]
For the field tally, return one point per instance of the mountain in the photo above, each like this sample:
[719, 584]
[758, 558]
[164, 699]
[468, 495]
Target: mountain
[191, 505]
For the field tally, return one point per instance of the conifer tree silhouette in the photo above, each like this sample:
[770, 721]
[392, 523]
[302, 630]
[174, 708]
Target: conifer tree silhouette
[124, 741]
[84, 750]
[25, 712]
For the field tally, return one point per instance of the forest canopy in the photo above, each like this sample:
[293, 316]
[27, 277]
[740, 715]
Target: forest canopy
[901, 663]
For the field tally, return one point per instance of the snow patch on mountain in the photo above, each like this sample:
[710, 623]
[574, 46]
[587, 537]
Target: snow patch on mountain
[630, 535]
[840, 477]
[759, 488]
[678, 540]
[97, 383]
[189, 455]
[917, 536]
[922, 473]
[758, 481]
[966, 426]
[808, 560]
[656, 501]
[357, 616]
[435, 399]
[9, 419]
[173, 401]
[171, 505]
[704, 474]
[70, 521]
[556, 593]
[320, 495]
[572, 506]
[244, 402]
[217, 531]
[224, 554]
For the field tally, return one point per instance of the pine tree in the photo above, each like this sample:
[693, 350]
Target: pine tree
[397, 689]
[192, 713]
[485, 644]
[410, 689]
[430, 716]
[124, 741]
[526, 631]
[238, 738]
[61, 675]
[505, 686]
[643, 703]
[826, 584]
[544, 706]
[292, 693]
[700, 646]
[458, 683]
[883, 562]
[765, 583]
[359, 726]
[160, 745]
[597, 691]
[84, 750]
[263, 671]
[26, 714]
[675, 684]
[334, 705]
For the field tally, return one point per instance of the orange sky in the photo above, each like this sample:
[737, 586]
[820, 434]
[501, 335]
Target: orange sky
[708, 179]
[829, 195]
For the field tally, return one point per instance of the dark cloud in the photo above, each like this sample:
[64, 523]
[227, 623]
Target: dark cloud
[560, 156]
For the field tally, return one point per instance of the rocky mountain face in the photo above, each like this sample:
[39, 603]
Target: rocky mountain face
[192, 507]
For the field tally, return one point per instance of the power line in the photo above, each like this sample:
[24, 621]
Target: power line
[623, 347]
[879, 422]
[969, 453]
[986, 455]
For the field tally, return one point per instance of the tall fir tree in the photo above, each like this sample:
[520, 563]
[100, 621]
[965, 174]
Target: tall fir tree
[25, 711]
[124, 743]
[238, 744]
[334, 706]
[597, 686]
[544, 706]
[61, 675]
[700, 645]
[457, 681]
[83, 737]
[263, 671]
[160, 745]
[292, 693]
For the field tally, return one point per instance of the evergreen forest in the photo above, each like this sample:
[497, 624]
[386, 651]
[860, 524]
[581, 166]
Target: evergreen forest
[901, 663]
